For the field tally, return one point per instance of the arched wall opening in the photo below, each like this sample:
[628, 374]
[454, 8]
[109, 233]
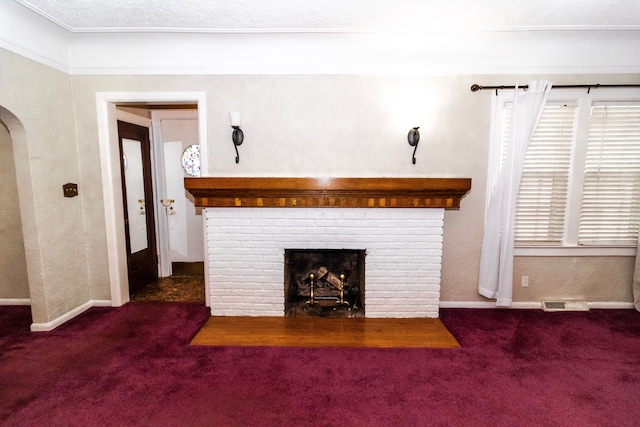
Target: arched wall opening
[14, 284]
[22, 264]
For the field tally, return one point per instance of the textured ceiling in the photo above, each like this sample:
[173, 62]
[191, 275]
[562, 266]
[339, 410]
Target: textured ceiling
[335, 15]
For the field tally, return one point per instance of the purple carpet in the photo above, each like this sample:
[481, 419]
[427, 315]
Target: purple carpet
[133, 366]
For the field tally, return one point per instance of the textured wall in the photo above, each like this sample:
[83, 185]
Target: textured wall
[294, 126]
[246, 256]
[40, 100]
[592, 279]
[326, 125]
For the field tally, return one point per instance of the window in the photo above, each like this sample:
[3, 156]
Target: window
[580, 186]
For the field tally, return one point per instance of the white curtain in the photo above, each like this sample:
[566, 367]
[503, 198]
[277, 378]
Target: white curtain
[636, 280]
[496, 259]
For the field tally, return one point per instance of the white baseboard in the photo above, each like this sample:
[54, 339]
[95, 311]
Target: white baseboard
[489, 304]
[49, 326]
[530, 305]
[101, 303]
[15, 301]
[610, 305]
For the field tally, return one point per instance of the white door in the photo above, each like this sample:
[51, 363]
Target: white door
[175, 132]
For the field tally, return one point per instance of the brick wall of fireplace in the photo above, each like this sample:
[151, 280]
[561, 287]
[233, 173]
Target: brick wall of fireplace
[245, 256]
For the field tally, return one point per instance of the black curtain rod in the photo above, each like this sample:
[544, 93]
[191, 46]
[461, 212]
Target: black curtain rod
[476, 87]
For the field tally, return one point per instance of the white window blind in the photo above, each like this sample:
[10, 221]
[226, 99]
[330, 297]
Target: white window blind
[542, 200]
[611, 196]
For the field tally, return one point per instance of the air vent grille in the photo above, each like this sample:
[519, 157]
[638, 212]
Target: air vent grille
[565, 306]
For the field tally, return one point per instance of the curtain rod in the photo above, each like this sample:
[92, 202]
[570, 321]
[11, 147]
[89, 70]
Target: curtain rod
[477, 87]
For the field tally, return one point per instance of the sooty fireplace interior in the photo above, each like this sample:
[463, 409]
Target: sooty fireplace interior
[324, 282]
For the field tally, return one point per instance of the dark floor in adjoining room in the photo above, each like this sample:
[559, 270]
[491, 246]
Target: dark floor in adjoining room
[185, 285]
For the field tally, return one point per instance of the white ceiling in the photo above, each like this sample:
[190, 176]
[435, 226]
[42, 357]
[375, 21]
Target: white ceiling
[237, 16]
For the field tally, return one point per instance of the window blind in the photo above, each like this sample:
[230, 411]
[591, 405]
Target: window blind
[542, 199]
[610, 211]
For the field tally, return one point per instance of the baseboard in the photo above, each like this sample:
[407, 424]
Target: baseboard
[531, 305]
[610, 305]
[15, 301]
[49, 326]
[101, 303]
[489, 304]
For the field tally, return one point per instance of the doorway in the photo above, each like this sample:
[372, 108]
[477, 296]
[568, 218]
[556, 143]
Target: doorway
[180, 236]
[106, 103]
[176, 228]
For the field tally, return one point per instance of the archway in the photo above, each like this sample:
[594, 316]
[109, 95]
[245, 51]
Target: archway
[21, 203]
[14, 284]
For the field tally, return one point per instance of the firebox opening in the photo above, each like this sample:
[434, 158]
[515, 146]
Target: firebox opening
[324, 282]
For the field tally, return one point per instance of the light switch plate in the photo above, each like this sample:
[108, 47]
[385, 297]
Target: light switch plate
[70, 190]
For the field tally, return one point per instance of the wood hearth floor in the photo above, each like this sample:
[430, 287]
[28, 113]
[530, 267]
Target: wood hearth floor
[324, 332]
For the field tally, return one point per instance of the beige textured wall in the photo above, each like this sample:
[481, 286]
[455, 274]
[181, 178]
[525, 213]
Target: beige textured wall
[594, 279]
[40, 99]
[357, 126]
[294, 126]
[14, 283]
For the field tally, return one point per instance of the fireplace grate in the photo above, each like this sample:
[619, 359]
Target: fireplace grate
[324, 282]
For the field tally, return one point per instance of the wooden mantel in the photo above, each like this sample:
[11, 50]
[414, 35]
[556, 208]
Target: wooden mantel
[328, 192]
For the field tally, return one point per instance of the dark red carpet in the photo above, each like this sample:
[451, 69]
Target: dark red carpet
[132, 366]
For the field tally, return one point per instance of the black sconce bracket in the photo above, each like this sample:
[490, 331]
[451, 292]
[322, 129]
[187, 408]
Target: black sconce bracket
[414, 137]
[238, 137]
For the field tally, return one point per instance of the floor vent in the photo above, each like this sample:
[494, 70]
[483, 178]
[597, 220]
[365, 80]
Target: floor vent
[565, 306]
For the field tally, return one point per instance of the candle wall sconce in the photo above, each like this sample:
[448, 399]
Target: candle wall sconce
[237, 136]
[414, 137]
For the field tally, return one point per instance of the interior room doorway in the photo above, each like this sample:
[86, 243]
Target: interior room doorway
[172, 153]
[107, 111]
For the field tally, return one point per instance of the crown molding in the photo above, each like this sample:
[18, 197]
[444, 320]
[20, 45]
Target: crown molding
[34, 37]
[549, 50]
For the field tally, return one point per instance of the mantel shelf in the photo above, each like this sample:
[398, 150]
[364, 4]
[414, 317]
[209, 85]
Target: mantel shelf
[328, 192]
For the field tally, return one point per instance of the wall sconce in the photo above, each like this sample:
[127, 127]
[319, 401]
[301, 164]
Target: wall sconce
[237, 136]
[414, 137]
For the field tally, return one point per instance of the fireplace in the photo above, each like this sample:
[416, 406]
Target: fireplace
[251, 222]
[324, 282]
[246, 247]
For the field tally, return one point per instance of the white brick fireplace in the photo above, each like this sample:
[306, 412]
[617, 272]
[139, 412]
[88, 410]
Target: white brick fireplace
[398, 222]
[246, 256]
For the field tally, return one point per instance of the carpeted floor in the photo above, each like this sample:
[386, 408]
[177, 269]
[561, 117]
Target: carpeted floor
[133, 366]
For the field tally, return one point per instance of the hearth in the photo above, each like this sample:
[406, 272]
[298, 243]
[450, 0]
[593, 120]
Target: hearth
[324, 282]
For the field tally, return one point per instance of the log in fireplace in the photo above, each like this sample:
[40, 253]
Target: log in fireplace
[324, 282]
